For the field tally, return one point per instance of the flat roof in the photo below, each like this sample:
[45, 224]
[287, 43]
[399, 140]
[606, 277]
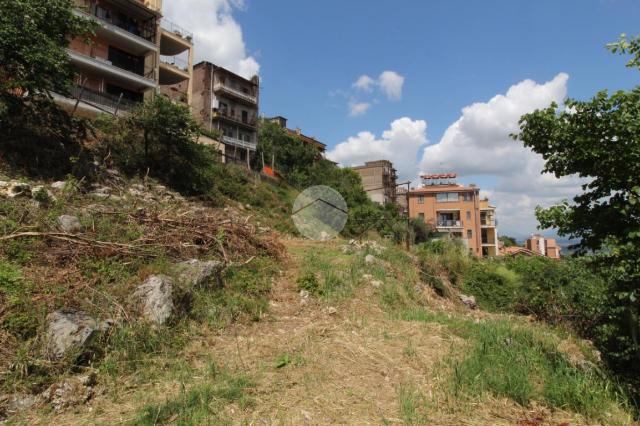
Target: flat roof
[442, 188]
[219, 68]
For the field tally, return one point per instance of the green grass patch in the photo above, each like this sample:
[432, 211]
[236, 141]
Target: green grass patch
[521, 363]
[413, 405]
[244, 294]
[201, 404]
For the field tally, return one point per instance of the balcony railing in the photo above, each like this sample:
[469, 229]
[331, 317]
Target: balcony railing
[488, 222]
[102, 100]
[239, 143]
[448, 223]
[176, 61]
[145, 76]
[220, 113]
[146, 30]
[176, 29]
[238, 93]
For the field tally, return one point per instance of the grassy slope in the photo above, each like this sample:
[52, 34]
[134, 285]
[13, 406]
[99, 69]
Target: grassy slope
[257, 351]
[355, 353]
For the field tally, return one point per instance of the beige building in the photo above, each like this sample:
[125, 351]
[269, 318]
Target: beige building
[227, 103]
[457, 210]
[379, 180]
[543, 246]
[134, 55]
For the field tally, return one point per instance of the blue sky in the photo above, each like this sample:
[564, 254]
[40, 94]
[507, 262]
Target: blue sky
[451, 55]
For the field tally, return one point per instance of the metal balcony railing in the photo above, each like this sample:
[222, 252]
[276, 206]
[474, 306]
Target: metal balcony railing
[239, 143]
[238, 93]
[103, 100]
[145, 30]
[176, 29]
[448, 223]
[176, 61]
[250, 121]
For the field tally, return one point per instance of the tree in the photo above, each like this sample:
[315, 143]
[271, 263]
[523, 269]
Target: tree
[599, 140]
[508, 241]
[33, 38]
[37, 135]
[159, 139]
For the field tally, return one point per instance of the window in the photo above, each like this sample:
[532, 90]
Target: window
[469, 233]
[245, 116]
[468, 215]
[421, 199]
[467, 196]
[421, 216]
[446, 197]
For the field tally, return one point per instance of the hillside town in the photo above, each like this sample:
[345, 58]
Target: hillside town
[137, 54]
[239, 212]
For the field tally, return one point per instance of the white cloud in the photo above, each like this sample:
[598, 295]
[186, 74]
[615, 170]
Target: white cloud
[217, 36]
[391, 84]
[400, 144]
[358, 108]
[364, 83]
[478, 144]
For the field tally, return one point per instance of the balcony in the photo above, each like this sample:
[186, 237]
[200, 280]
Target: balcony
[250, 123]
[176, 29]
[443, 223]
[489, 223]
[173, 70]
[107, 68]
[238, 94]
[119, 35]
[105, 101]
[228, 140]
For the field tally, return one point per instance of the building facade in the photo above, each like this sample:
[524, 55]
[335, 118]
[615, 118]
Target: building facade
[227, 103]
[456, 210]
[379, 180]
[543, 246]
[132, 57]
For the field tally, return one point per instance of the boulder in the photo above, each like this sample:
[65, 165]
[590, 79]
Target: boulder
[58, 185]
[69, 329]
[369, 259]
[155, 296]
[17, 189]
[15, 403]
[70, 392]
[195, 273]
[470, 301]
[69, 224]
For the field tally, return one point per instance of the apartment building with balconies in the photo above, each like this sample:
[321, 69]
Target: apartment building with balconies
[543, 246]
[227, 103]
[121, 66]
[379, 180]
[488, 229]
[456, 210]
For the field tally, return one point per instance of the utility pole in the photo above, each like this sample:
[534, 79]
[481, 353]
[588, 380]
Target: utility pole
[408, 243]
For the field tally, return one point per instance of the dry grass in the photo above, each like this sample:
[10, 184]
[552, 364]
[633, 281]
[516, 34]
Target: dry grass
[311, 365]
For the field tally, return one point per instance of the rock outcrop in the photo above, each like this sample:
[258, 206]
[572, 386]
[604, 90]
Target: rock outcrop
[70, 329]
[155, 298]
